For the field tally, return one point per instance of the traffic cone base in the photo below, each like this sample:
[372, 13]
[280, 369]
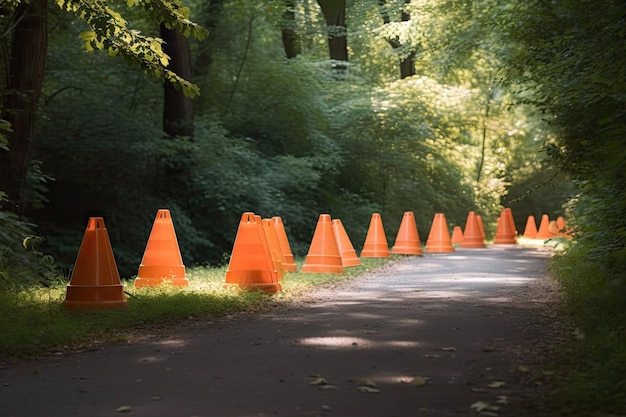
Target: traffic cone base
[439, 240]
[472, 237]
[251, 266]
[252, 280]
[407, 241]
[176, 275]
[94, 297]
[95, 282]
[161, 260]
[530, 231]
[346, 250]
[505, 232]
[323, 264]
[375, 245]
[323, 256]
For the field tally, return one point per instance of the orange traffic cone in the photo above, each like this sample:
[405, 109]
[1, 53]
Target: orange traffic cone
[530, 231]
[323, 253]
[161, 260]
[95, 282]
[346, 250]
[376, 245]
[408, 240]
[275, 249]
[544, 228]
[553, 228]
[472, 237]
[457, 235]
[289, 263]
[480, 226]
[563, 229]
[251, 265]
[505, 233]
[439, 237]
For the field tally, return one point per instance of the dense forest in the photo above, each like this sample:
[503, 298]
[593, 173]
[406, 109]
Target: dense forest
[294, 108]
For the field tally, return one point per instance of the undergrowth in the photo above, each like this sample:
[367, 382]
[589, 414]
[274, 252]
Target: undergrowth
[33, 321]
[590, 367]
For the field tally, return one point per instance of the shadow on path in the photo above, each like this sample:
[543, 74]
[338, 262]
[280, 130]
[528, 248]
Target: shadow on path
[467, 324]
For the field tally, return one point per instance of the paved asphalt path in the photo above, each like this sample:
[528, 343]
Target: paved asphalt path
[425, 336]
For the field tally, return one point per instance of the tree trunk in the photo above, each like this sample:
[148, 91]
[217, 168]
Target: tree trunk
[25, 78]
[291, 40]
[177, 109]
[335, 15]
[407, 65]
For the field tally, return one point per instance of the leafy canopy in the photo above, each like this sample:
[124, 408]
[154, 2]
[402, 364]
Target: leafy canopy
[109, 31]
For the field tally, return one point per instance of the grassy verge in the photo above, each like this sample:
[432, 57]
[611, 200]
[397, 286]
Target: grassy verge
[590, 370]
[33, 321]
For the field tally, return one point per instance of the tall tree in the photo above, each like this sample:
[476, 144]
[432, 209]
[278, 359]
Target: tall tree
[108, 31]
[407, 65]
[177, 109]
[24, 81]
[335, 15]
[291, 40]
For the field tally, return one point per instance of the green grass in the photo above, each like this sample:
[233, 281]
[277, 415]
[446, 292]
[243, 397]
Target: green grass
[590, 369]
[33, 321]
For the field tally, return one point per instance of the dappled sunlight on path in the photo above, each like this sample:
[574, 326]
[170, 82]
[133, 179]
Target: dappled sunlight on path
[426, 336]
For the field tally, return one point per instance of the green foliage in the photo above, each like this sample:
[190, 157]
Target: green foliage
[568, 60]
[277, 137]
[589, 369]
[5, 128]
[21, 263]
[570, 63]
[109, 31]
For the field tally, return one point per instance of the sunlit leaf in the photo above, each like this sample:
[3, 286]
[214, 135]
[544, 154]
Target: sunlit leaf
[318, 381]
[448, 349]
[483, 406]
[367, 389]
[419, 381]
[367, 382]
[124, 409]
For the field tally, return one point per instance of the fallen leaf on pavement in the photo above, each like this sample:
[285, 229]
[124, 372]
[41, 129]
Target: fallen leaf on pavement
[482, 407]
[368, 389]
[497, 384]
[366, 382]
[318, 381]
[124, 409]
[448, 349]
[417, 381]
